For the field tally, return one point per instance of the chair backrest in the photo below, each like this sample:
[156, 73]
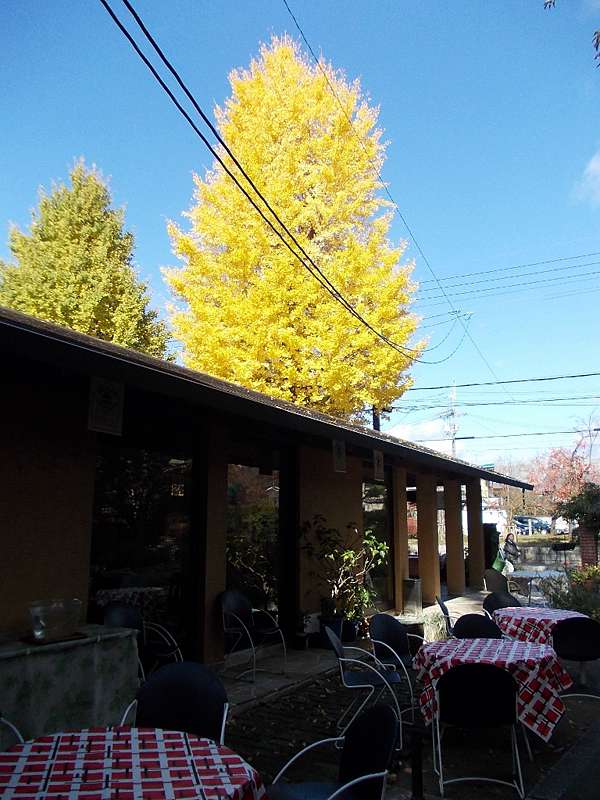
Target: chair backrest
[186, 697]
[388, 629]
[477, 696]
[495, 581]
[476, 626]
[117, 615]
[497, 600]
[335, 642]
[234, 602]
[446, 613]
[368, 747]
[577, 639]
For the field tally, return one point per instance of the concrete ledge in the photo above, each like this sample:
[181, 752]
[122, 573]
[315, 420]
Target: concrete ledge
[575, 775]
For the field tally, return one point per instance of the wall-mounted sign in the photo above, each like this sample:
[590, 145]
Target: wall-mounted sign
[105, 412]
[339, 456]
[378, 472]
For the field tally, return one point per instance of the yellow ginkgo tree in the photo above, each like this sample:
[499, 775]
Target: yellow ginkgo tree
[246, 309]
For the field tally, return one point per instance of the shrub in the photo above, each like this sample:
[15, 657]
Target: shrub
[579, 591]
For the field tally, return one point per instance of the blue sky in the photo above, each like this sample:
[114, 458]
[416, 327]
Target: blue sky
[491, 111]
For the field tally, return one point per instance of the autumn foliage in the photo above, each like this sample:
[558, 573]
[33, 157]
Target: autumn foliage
[248, 311]
[562, 472]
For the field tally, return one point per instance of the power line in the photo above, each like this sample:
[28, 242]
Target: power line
[316, 272]
[556, 402]
[516, 266]
[522, 275]
[499, 290]
[513, 380]
[388, 193]
[506, 435]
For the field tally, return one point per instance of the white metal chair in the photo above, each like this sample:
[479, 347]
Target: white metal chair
[248, 626]
[448, 619]
[184, 696]
[391, 645]
[476, 696]
[366, 752]
[355, 673]
[578, 639]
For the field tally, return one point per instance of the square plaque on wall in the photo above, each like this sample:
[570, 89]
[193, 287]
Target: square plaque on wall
[105, 413]
[378, 472]
[339, 456]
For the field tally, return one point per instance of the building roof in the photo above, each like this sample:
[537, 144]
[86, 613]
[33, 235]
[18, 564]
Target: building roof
[21, 334]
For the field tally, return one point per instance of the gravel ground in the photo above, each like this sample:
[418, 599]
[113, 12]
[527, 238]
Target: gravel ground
[268, 733]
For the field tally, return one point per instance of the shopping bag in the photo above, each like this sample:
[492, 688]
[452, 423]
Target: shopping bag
[499, 562]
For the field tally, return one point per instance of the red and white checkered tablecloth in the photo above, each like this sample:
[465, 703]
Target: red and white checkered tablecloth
[126, 764]
[531, 624]
[535, 667]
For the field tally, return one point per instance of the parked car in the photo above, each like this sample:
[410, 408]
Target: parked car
[524, 524]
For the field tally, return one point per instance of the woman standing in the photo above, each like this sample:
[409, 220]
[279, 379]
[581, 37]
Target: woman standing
[511, 551]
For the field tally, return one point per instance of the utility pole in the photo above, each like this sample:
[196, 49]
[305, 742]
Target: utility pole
[376, 419]
[451, 420]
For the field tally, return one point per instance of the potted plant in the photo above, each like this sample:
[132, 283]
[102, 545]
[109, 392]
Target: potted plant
[341, 564]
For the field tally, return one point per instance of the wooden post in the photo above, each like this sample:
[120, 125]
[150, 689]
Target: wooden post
[400, 546]
[475, 533]
[208, 539]
[455, 556]
[427, 527]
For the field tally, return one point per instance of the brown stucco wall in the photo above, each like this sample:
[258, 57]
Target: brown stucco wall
[335, 495]
[46, 495]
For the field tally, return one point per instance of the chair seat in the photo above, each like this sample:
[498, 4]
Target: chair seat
[301, 791]
[369, 678]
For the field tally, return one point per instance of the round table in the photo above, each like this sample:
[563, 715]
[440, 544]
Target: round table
[124, 763]
[532, 574]
[535, 667]
[530, 623]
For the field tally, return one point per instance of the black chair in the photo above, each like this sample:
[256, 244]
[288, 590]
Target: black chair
[356, 673]
[476, 696]
[155, 644]
[186, 697]
[446, 614]
[476, 626]
[578, 639]
[496, 600]
[391, 645]
[367, 750]
[12, 728]
[495, 581]
[247, 626]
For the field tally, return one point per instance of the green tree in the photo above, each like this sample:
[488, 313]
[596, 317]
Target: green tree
[75, 267]
[251, 313]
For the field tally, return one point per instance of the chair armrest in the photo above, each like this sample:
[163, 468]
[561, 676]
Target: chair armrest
[416, 636]
[362, 779]
[13, 728]
[387, 647]
[131, 705]
[302, 752]
[367, 653]
[225, 713]
[241, 624]
[266, 614]
[167, 638]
